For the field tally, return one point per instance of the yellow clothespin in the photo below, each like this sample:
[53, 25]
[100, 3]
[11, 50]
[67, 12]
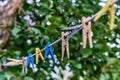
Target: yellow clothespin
[39, 54]
[111, 12]
[65, 44]
[86, 32]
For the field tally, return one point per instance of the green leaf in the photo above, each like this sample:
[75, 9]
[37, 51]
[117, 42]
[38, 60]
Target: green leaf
[28, 78]
[98, 46]
[2, 77]
[15, 31]
[102, 77]
[8, 75]
[1, 42]
[85, 52]
[78, 66]
[112, 61]
[35, 30]
[17, 53]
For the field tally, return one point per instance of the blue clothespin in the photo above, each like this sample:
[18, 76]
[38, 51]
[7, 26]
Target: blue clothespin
[30, 60]
[47, 50]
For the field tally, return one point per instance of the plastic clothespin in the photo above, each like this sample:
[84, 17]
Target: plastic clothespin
[47, 50]
[65, 44]
[86, 33]
[111, 12]
[30, 60]
[39, 54]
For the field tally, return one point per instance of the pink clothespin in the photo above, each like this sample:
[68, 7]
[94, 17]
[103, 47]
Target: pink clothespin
[65, 44]
[86, 32]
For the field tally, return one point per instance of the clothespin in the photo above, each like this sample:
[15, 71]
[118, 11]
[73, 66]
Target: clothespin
[86, 32]
[30, 60]
[13, 62]
[47, 50]
[39, 54]
[65, 44]
[111, 12]
[24, 69]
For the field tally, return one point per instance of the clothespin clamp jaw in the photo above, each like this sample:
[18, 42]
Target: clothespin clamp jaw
[65, 44]
[39, 54]
[86, 32]
[111, 11]
[49, 49]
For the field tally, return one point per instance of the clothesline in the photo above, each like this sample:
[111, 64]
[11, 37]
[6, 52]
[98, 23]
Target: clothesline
[73, 30]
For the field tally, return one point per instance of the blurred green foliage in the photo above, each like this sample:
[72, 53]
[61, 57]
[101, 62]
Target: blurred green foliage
[50, 17]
